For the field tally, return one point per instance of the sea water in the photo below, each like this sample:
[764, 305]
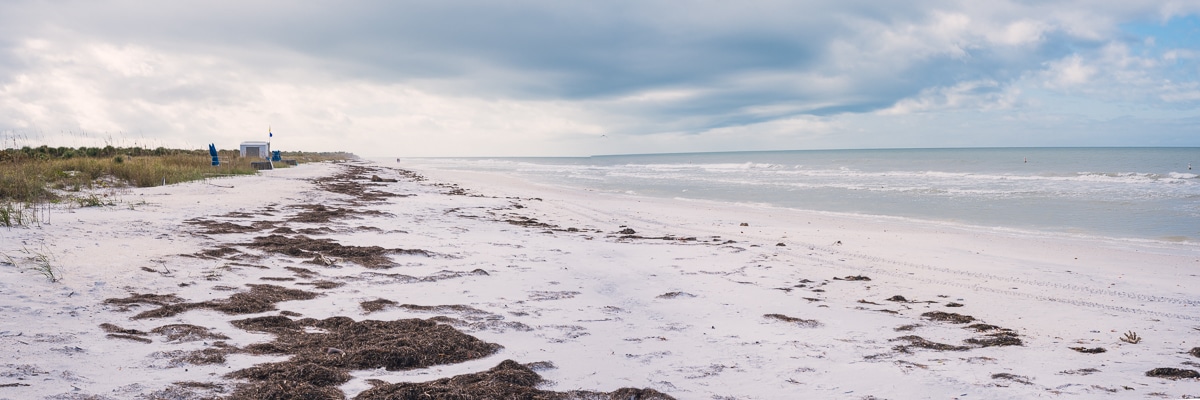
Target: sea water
[1137, 193]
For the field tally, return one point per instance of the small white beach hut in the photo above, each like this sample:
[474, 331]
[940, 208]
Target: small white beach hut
[256, 149]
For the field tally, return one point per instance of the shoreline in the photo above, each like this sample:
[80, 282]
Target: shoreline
[1059, 195]
[690, 304]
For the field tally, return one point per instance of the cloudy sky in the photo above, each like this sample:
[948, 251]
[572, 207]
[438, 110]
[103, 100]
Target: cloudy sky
[568, 78]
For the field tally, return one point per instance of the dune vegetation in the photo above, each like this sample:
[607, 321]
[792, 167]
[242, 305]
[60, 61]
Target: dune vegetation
[32, 178]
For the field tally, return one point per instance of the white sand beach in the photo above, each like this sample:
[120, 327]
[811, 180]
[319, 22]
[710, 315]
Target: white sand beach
[594, 291]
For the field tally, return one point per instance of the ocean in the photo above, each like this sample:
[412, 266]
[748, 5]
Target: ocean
[1131, 193]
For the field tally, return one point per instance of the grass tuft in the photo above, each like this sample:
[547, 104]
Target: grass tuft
[42, 262]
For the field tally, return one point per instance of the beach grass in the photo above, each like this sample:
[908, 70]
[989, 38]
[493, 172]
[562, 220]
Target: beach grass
[44, 175]
[41, 261]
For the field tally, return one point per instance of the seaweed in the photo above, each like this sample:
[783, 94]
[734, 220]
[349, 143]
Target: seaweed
[508, 380]
[187, 333]
[1173, 373]
[920, 342]
[376, 305]
[305, 247]
[260, 298]
[995, 341]
[1085, 350]
[953, 318]
[806, 323]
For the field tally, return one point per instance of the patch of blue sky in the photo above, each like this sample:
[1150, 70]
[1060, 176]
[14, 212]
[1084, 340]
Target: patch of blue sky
[1180, 32]
[1179, 36]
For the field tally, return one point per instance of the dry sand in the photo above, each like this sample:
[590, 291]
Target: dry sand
[323, 281]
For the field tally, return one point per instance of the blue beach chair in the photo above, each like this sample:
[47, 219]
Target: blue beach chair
[212, 151]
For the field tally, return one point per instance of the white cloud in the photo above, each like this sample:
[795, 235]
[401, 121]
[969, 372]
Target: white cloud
[1068, 72]
[1020, 33]
[985, 95]
[191, 100]
[544, 78]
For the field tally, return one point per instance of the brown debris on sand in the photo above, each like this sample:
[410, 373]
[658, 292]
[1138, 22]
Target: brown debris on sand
[306, 247]
[310, 373]
[368, 344]
[324, 351]
[302, 272]
[853, 278]
[984, 327]
[996, 340]
[218, 228]
[376, 305]
[319, 214]
[346, 183]
[1085, 350]
[920, 342]
[260, 298]
[528, 222]
[219, 252]
[284, 390]
[805, 323]
[208, 356]
[450, 308]
[953, 318]
[1173, 373]
[1015, 378]
[509, 380]
[129, 337]
[323, 284]
[110, 328]
[156, 299]
[672, 295]
[137, 299]
[187, 333]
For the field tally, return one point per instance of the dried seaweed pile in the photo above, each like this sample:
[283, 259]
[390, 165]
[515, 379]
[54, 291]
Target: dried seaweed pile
[509, 380]
[260, 298]
[994, 336]
[953, 318]
[215, 227]
[321, 249]
[804, 323]
[920, 342]
[317, 214]
[349, 183]
[219, 252]
[323, 351]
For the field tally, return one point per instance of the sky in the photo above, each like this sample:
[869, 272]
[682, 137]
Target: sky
[574, 78]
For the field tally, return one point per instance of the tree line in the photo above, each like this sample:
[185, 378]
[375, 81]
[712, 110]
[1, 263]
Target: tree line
[63, 153]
